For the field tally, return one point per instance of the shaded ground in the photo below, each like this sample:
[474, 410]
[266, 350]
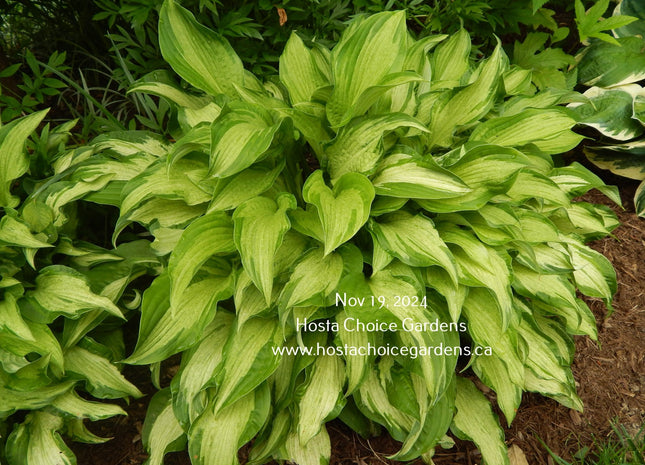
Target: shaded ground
[610, 375]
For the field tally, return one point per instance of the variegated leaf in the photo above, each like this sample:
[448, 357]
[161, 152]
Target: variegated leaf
[13, 161]
[342, 210]
[476, 421]
[200, 56]
[259, 227]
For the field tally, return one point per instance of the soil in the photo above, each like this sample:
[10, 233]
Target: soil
[610, 375]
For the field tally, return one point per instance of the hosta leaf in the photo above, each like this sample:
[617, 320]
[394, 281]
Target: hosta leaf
[178, 182]
[414, 240]
[342, 210]
[316, 452]
[530, 126]
[12, 319]
[73, 405]
[298, 70]
[314, 278]
[37, 441]
[239, 137]
[606, 65]
[197, 368]
[358, 146]
[367, 52]
[594, 275]
[450, 60]
[493, 372]
[545, 373]
[559, 294]
[216, 436]
[635, 9]
[131, 143]
[259, 227]
[197, 54]
[161, 432]
[249, 359]
[171, 329]
[531, 185]
[270, 441]
[247, 184]
[480, 265]
[577, 180]
[610, 111]
[626, 160]
[12, 401]
[433, 425]
[15, 232]
[403, 176]
[212, 234]
[639, 200]
[323, 398]
[13, 161]
[103, 378]
[468, 104]
[61, 290]
[475, 420]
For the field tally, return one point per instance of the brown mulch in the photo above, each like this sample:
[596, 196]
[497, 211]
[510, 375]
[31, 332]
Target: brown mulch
[610, 375]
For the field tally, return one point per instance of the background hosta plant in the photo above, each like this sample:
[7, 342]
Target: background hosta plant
[615, 104]
[387, 169]
[62, 300]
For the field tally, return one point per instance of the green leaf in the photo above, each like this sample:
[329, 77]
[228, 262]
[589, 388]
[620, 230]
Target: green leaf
[590, 23]
[313, 279]
[249, 359]
[633, 8]
[342, 210]
[316, 452]
[403, 176]
[298, 71]
[73, 405]
[358, 146]
[607, 65]
[610, 111]
[15, 232]
[259, 228]
[468, 104]
[528, 127]
[323, 397]
[167, 330]
[198, 365]
[200, 56]
[239, 137]
[103, 379]
[475, 420]
[14, 162]
[368, 51]
[450, 61]
[161, 432]
[414, 240]
[212, 234]
[61, 290]
[37, 441]
[216, 436]
[249, 183]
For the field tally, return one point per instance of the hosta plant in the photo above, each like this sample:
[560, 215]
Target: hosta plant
[62, 300]
[345, 240]
[615, 104]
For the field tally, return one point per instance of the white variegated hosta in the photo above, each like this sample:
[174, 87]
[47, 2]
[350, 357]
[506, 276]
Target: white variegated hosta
[386, 167]
[615, 104]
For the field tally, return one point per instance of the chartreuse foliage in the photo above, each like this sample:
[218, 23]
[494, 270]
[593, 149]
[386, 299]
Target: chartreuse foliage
[386, 169]
[615, 104]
